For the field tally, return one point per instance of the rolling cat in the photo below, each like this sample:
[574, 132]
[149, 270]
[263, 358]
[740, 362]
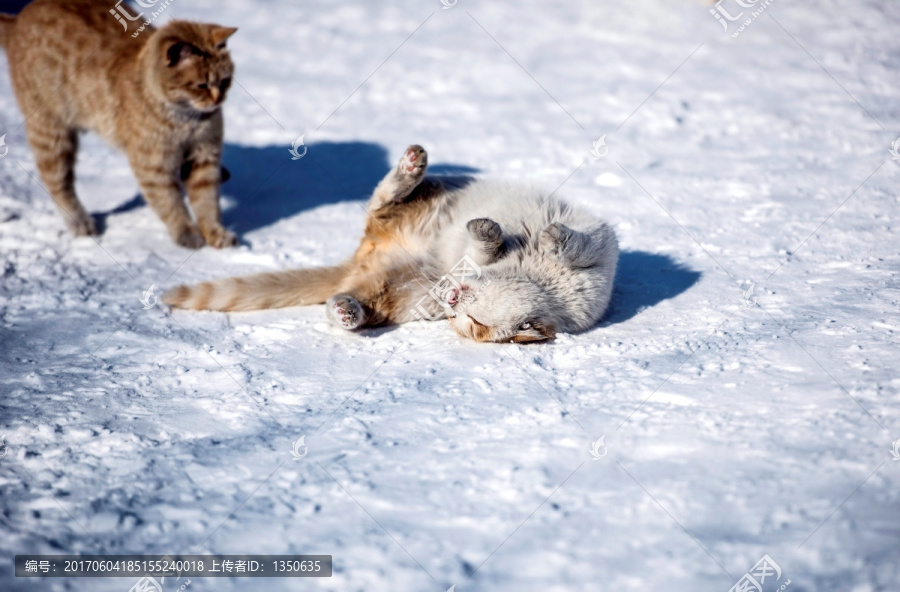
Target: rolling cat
[157, 97]
[503, 263]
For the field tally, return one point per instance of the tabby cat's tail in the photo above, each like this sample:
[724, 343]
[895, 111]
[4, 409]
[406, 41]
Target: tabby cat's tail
[6, 24]
[261, 291]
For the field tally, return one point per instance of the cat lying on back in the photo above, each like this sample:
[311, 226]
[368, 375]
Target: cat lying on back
[504, 263]
[157, 97]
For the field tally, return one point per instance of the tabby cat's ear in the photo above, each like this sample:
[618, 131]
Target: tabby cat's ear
[178, 51]
[221, 34]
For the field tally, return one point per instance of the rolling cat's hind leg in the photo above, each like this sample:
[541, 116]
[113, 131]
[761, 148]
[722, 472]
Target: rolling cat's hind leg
[346, 311]
[485, 241]
[401, 181]
[377, 299]
[54, 149]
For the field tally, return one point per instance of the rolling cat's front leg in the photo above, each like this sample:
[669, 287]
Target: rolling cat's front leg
[401, 181]
[202, 187]
[485, 241]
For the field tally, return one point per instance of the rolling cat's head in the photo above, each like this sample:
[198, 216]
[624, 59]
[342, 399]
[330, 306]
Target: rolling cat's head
[190, 65]
[504, 308]
[556, 280]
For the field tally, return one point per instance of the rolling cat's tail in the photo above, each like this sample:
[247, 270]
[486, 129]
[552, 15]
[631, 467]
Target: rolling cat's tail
[6, 24]
[261, 291]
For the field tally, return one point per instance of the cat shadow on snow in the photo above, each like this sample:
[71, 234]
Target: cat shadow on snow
[643, 280]
[267, 186]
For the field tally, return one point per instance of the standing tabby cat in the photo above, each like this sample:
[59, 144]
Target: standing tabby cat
[537, 265]
[157, 97]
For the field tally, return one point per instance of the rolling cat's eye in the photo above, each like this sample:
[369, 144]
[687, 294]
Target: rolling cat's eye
[525, 326]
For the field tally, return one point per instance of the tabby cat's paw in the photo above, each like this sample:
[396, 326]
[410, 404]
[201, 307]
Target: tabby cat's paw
[414, 162]
[346, 311]
[82, 224]
[189, 237]
[219, 238]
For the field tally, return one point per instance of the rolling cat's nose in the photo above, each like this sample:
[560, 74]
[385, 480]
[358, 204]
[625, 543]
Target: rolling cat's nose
[452, 297]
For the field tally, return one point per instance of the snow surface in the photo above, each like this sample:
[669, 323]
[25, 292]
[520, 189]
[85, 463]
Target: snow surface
[738, 422]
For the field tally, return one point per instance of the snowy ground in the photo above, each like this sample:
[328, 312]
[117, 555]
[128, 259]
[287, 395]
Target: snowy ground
[739, 422]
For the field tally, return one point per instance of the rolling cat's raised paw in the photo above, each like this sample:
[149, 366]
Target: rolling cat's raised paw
[345, 311]
[414, 162]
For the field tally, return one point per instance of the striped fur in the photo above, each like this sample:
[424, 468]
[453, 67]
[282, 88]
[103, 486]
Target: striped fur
[156, 96]
[6, 23]
[260, 291]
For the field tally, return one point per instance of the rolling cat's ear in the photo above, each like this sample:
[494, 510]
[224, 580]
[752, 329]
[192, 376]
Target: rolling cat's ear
[178, 52]
[531, 332]
[220, 35]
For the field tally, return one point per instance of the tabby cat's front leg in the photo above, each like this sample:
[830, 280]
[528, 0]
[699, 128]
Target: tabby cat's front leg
[161, 188]
[202, 186]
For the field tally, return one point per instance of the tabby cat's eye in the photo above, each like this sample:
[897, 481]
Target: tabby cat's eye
[203, 85]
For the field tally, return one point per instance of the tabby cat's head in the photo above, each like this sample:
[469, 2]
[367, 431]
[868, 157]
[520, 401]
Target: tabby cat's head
[191, 64]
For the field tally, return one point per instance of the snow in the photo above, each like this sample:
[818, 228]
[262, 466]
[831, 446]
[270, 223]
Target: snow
[745, 378]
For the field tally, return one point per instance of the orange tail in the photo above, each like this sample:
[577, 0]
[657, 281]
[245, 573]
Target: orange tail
[261, 291]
